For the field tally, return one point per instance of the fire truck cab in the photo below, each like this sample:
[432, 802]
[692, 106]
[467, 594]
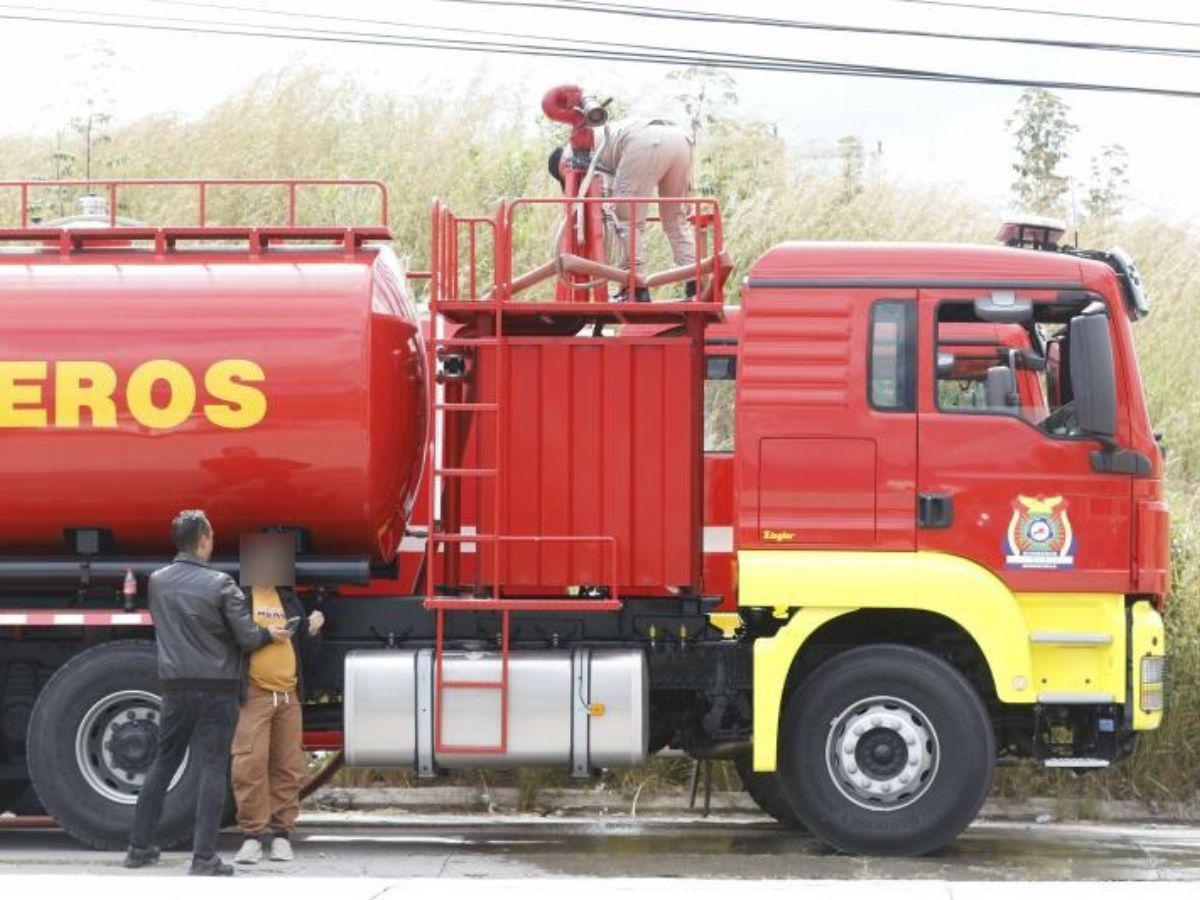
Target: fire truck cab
[943, 450]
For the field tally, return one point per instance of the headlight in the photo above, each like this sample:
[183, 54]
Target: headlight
[1152, 697]
[1153, 670]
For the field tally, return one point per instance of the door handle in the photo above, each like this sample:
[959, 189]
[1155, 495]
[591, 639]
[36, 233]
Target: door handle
[935, 510]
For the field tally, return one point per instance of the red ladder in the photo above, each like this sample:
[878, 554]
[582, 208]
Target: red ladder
[449, 363]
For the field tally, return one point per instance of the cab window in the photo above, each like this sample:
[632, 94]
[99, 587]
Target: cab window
[893, 371]
[1008, 368]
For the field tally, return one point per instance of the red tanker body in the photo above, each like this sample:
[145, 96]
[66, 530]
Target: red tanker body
[282, 391]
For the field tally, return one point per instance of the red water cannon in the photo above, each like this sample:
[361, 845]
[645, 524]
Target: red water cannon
[567, 103]
[582, 233]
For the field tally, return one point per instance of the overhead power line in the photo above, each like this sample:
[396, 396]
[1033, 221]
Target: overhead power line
[533, 45]
[687, 15]
[1061, 13]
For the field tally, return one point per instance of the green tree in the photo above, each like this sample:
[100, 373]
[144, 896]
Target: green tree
[1109, 182]
[1042, 128]
[91, 118]
[853, 164]
[707, 94]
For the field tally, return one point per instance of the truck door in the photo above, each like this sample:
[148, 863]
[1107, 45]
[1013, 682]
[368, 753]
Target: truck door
[1005, 477]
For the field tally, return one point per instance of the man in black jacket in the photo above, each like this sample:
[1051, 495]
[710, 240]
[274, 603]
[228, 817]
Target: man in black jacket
[203, 630]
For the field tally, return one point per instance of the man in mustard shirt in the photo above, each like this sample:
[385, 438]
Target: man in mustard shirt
[268, 760]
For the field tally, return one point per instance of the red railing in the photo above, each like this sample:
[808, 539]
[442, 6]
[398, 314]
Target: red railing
[112, 188]
[456, 267]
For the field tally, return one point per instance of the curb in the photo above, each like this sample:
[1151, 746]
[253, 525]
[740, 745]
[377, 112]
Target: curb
[1039, 810]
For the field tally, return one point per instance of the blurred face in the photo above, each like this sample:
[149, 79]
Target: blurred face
[267, 560]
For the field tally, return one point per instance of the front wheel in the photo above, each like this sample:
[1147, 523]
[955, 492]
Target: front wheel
[886, 750]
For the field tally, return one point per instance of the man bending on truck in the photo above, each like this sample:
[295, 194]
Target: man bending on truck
[644, 158]
[203, 630]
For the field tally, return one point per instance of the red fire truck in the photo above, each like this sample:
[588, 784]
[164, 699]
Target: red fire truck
[932, 537]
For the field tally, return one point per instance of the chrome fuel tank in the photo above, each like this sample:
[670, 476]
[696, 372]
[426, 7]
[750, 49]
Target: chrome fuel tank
[584, 709]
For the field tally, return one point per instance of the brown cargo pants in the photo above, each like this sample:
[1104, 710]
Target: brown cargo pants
[655, 159]
[268, 762]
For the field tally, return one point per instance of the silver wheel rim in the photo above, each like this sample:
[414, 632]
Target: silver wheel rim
[116, 742]
[882, 753]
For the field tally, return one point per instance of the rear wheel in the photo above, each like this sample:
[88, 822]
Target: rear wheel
[767, 791]
[886, 750]
[92, 737]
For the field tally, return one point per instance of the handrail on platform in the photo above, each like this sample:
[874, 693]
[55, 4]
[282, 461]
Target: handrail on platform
[111, 188]
[454, 267]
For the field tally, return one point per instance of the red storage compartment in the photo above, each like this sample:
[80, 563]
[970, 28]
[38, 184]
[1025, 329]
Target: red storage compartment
[602, 437]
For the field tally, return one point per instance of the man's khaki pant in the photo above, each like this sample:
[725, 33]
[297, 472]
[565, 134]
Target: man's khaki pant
[268, 762]
[655, 160]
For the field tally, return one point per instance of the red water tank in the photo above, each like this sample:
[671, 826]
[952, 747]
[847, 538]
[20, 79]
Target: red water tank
[281, 389]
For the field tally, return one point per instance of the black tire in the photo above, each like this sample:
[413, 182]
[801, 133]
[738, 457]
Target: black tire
[894, 694]
[767, 791]
[86, 683]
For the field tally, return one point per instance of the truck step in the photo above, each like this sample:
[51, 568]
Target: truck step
[1080, 762]
[1071, 638]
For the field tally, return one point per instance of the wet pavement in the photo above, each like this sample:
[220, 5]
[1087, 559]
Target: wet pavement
[516, 847]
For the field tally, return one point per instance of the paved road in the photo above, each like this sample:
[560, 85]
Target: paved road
[516, 847]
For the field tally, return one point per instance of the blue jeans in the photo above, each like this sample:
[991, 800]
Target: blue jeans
[205, 720]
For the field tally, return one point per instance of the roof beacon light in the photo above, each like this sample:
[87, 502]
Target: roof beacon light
[1034, 232]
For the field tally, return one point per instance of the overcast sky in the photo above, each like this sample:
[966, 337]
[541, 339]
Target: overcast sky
[927, 132]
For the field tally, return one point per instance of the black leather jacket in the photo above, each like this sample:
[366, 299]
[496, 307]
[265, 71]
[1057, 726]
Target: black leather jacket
[202, 625]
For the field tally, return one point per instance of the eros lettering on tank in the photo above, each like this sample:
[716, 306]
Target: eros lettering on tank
[158, 394]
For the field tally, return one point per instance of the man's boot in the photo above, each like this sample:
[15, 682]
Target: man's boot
[137, 857]
[640, 295]
[210, 866]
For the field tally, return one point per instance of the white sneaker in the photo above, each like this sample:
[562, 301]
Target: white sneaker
[250, 852]
[281, 849]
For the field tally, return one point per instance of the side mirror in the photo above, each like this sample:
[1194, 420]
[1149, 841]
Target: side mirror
[1000, 388]
[1093, 379]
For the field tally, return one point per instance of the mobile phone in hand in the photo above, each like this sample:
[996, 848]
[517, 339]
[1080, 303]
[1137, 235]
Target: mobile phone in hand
[291, 623]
